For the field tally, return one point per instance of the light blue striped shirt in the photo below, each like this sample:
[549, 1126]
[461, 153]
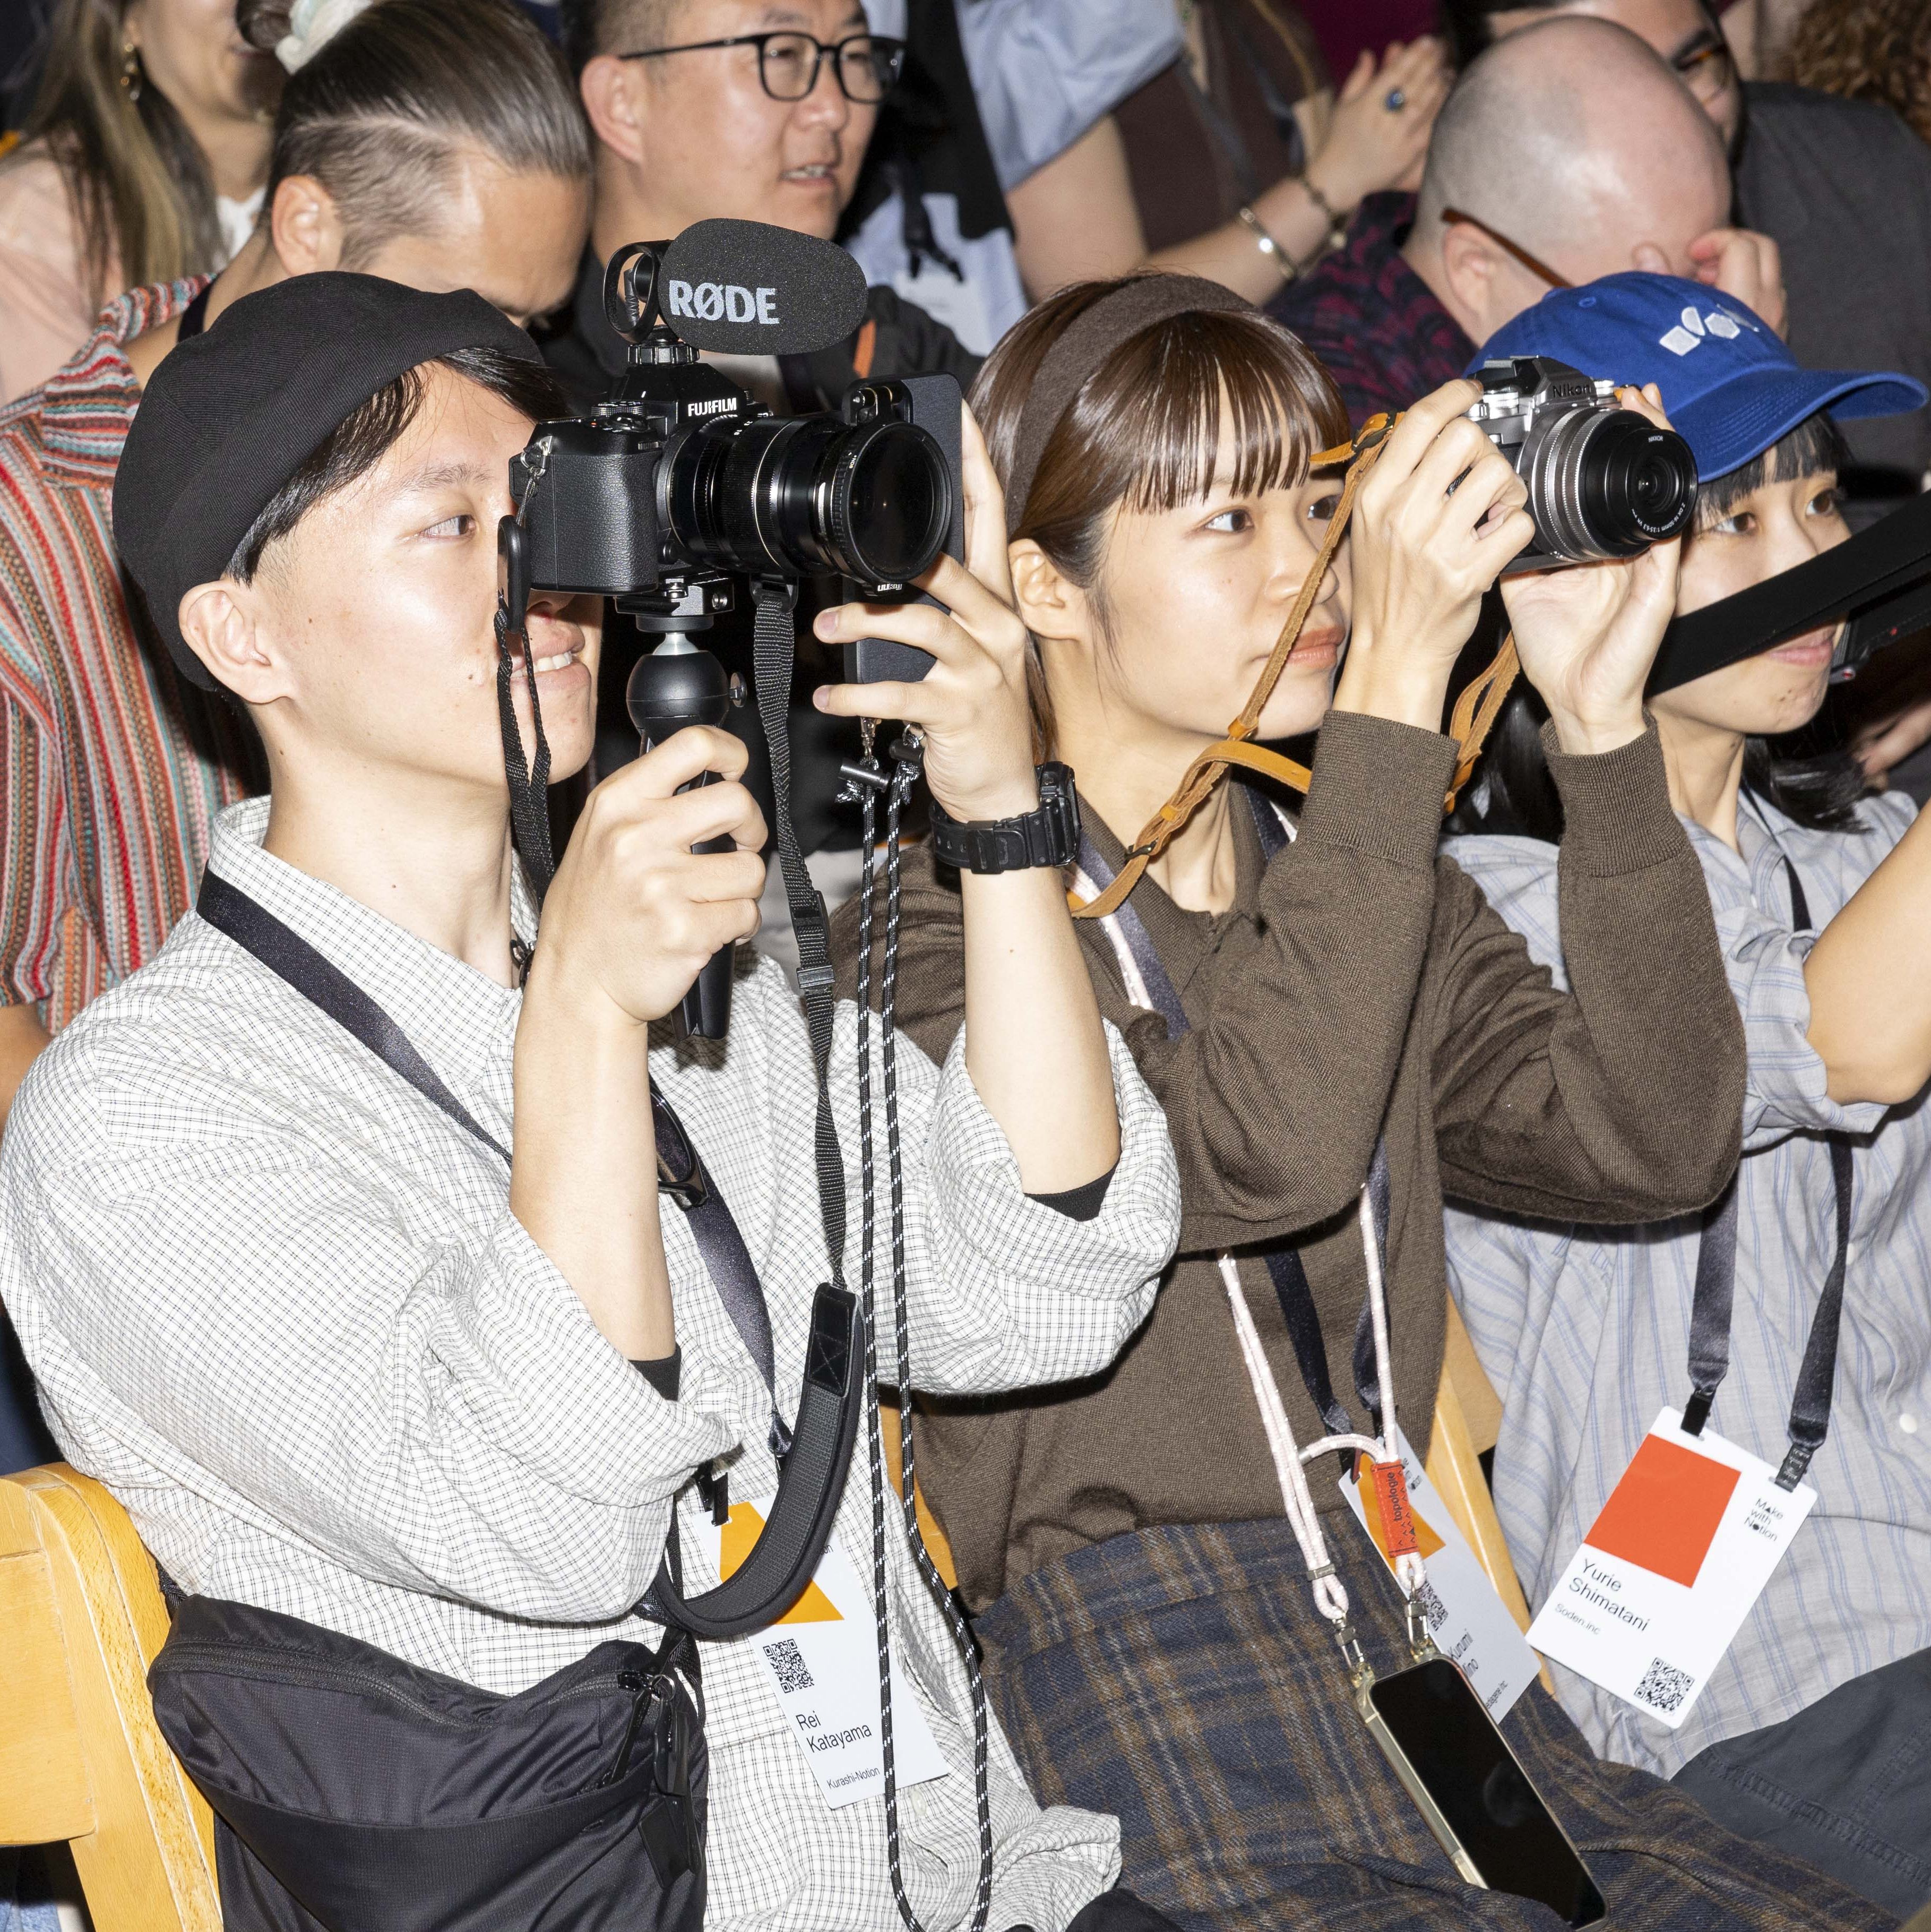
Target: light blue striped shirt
[1585, 1331]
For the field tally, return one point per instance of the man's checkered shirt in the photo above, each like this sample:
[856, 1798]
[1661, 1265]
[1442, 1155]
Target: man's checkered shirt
[277, 1302]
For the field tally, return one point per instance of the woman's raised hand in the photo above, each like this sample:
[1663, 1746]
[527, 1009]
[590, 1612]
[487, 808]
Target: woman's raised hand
[1369, 145]
[1588, 634]
[972, 705]
[1435, 523]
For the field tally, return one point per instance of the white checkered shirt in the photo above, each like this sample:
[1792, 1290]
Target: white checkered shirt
[277, 1301]
[1585, 1331]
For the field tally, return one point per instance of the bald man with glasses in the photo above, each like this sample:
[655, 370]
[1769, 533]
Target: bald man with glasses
[1569, 151]
[1843, 186]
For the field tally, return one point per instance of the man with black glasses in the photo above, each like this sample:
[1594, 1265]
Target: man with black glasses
[704, 108]
[759, 112]
[1844, 189]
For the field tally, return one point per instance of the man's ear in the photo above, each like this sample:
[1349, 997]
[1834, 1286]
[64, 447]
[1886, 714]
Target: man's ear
[221, 622]
[611, 89]
[1050, 604]
[305, 225]
[1470, 264]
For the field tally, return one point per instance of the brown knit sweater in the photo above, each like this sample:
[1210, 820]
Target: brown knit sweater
[1359, 980]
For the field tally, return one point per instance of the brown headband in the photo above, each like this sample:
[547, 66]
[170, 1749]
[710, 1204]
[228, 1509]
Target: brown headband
[1114, 318]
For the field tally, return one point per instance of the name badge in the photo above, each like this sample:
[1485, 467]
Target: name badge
[822, 1658]
[1468, 1623]
[1668, 1572]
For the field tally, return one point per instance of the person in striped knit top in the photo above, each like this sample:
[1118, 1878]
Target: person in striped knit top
[113, 769]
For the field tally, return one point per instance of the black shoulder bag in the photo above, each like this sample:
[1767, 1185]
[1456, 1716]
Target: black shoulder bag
[355, 1793]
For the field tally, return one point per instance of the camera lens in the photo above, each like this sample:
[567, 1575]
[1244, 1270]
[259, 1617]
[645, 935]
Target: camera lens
[1606, 483]
[890, 502]
[1639, 482]
[798, 495]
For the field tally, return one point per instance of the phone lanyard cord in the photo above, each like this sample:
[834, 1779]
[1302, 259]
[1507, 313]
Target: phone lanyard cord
[1290, 1463]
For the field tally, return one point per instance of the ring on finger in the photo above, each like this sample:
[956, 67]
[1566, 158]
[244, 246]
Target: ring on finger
[1395, 100]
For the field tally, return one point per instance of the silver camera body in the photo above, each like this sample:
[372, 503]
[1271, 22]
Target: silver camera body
[1603, 481]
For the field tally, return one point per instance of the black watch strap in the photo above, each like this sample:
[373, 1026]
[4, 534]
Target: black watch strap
[1047, 836]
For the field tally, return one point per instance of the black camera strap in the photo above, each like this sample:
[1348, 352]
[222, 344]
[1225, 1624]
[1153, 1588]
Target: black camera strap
[1877, 579]
[529, 784]
[775, 648]
[814, 1451]
[1714, 1295]
[774, 652]
[1285, 1267]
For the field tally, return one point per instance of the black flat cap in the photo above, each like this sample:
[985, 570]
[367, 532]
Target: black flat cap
[230, 415]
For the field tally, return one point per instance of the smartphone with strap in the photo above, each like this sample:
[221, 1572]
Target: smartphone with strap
[1457, 1766]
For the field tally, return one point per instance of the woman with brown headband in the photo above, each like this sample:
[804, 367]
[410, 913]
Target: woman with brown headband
[1339, 1028]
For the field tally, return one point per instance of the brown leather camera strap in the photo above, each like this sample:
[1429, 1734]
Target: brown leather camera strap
[1475, 711]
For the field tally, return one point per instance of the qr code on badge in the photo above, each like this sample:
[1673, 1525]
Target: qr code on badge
[1664, 1687]
[1435, 1612]
[787, 1663]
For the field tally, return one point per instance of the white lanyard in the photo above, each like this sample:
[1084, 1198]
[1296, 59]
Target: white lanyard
[1330, 1597]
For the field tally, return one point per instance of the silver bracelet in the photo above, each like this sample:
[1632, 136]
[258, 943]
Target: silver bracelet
[1269, 246]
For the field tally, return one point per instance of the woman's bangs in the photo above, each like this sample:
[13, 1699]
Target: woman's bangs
[1201, 365]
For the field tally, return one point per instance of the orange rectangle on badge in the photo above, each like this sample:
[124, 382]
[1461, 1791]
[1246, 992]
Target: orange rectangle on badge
[1663, 1515]
[1398, 1522]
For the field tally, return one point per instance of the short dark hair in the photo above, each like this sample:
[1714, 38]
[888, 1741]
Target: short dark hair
[362, 438]
[593, 27]
[1808, 778]
[378, 114]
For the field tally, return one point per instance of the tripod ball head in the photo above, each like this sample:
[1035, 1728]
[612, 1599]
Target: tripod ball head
[675, 685]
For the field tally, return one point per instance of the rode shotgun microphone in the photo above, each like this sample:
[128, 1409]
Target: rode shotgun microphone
[743, 288]
[674, 686]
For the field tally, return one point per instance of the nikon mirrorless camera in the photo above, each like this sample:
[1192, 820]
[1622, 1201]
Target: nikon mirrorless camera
[1603, 481]
[681, 484]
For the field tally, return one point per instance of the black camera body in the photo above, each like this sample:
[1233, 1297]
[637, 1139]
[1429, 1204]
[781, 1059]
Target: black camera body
[1603, 481]
[681, 482]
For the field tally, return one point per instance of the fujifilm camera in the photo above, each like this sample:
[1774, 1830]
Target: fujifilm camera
[681, 483]
[1603, 481]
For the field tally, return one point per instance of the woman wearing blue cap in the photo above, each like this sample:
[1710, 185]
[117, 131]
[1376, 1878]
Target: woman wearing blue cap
[1806, 1727]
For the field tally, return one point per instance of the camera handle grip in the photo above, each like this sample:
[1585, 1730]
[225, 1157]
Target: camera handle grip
[676, 685]
[705, 1012]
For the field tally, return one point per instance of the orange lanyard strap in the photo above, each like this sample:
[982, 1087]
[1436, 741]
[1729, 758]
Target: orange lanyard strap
[1475, 711]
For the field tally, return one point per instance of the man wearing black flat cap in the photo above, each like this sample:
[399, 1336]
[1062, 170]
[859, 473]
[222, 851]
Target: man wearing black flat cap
[431, 1369]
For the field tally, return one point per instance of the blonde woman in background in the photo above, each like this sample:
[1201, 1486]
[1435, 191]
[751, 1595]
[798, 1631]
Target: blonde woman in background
[143, 161]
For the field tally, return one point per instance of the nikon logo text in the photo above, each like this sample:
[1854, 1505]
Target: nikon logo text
[713, 301]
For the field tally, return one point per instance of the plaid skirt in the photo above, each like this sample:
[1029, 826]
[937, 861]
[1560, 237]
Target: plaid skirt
[1181, 1678]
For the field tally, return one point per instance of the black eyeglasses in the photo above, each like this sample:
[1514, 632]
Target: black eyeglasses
[789, 64]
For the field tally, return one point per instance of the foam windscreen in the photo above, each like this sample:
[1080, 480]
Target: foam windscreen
[743, 288]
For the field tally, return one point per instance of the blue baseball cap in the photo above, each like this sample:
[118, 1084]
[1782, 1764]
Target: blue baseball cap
[1729, 385]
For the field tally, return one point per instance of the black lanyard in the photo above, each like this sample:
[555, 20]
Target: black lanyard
[1285, 1267]
[681, 1174]
[1715, 1292]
